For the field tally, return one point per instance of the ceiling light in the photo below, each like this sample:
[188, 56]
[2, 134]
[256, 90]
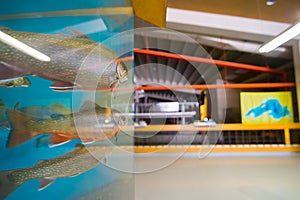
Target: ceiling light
[270, 2]
[23, 47]
[282, 38]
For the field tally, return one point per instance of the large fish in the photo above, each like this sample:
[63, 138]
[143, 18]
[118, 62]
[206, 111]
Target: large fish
[76, 61]
[55, 110]
[71, 164]
[9, 71]
[45, 112]
[91, 123]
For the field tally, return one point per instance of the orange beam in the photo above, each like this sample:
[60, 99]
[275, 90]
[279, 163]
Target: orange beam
[215, 149]
[202, 87]
[214, 86]
[218, 127]
[209, 61]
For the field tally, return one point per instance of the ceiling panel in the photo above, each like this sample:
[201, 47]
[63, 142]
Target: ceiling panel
[286, 11]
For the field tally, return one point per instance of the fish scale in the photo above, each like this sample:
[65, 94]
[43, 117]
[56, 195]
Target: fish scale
[72, 58]
[88, 124]
[76, 162]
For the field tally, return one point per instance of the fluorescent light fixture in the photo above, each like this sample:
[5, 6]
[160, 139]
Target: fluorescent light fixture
[270, 2]
[23, 47]
[282, 38]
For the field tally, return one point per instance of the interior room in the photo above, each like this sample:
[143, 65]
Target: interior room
[150, 100]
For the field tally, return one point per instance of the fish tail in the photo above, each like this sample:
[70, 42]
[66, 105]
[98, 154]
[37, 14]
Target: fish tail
[7, 184]
[21, 131]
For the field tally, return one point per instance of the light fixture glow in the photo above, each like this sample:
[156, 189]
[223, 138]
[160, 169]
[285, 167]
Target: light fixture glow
[270, 2]
[23, 47]
[282, 38]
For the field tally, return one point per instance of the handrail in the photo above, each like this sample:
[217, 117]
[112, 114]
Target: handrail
[286, 147]
[218, 127]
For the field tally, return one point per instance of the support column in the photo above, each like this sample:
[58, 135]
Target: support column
[152, 11]
[287, 136]
[296, 56]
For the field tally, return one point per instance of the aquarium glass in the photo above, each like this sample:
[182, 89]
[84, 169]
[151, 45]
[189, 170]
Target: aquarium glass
[65, 117]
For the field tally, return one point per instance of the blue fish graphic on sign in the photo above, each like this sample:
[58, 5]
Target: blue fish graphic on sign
[272, 107]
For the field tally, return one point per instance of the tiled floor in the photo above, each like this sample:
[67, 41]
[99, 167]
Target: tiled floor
[220, 176]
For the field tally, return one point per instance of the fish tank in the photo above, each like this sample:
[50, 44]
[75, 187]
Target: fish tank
[66, 99]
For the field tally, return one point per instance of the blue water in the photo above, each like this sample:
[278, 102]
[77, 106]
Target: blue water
[272, 107]
[39, 94]
[28, 6]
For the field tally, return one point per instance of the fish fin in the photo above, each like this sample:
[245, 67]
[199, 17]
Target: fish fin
[16, 107]
[57, 140]
[87, 141]
[76, 33]
[8, 185]
[91, 106]
[114, 84]
[79, 149]
[60, 108]
[87, 106]
[8, 71]
[74, 175]
[40, 162]
[45, 182]
[4, 28]
[62, 86]
[113, 22]
[20, 131]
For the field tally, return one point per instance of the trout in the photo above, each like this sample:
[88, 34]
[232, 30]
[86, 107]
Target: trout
[91, 123]
[81, 160]
[41, 112]
[45, 112]
[76, 62]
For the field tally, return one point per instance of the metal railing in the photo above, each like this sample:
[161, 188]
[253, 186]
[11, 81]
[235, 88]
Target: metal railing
[275, 137]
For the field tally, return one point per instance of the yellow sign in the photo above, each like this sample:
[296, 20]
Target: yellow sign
[266, 107]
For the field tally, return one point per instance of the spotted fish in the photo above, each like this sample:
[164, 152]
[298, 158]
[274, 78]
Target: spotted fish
[91, 123]
[81, 160]
[76, 62]
[41, 112]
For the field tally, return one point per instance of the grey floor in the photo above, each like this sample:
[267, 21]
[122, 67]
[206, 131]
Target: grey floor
[219, 176]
